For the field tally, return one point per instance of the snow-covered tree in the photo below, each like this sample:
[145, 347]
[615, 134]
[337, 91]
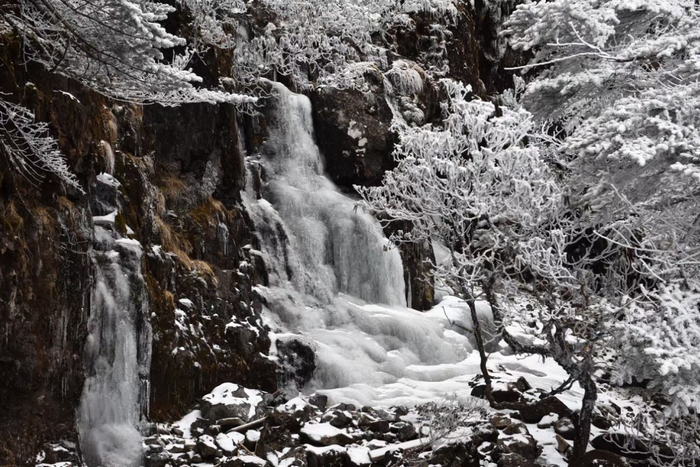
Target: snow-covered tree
[558, 275]
[620, 76]
[314, 40]
[29, 148]
[115, 47]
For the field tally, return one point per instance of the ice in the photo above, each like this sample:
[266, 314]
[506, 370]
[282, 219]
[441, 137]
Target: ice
[314, 239]
[117, 354]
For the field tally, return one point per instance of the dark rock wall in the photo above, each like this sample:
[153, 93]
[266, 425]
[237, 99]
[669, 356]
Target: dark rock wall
[180, 171]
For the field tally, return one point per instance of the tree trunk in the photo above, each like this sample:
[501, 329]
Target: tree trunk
[583, 421]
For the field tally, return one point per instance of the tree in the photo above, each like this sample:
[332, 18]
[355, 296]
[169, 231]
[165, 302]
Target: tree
[558, 278]
[620, 78]
[113, 47]
[314, 41]
[28, 146]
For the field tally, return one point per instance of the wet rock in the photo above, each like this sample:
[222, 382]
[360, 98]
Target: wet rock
[297, 364]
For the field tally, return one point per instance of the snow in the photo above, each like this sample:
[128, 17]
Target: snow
[359, 455]
[225, 442]
[223, 394]
[252, 460]
[320, 431]
[186, 422]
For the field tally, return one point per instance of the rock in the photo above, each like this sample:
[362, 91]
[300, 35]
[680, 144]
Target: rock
[522, 385]
[332, 456]
[379, 426]
[563, 447]
[157, 459]
[512, 459]
[319, 400]
[353, 131]
[339, 419]
[212, 430]
[207, 447]
[501, 421]
[225, 443]
[244, 461]
[325, 434]
[534, 412]
[275, 436]
[455, 455]
[230, 400]
[548, 421]
[516, 439]
[297, 363]
[565, 428]
[404, 431]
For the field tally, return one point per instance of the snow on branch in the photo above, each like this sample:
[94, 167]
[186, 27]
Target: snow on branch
[29, 148]
[115, 47]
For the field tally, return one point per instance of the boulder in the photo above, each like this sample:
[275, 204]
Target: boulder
[230, 400]
[353, 130]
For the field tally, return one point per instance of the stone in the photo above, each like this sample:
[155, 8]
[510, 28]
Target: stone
[207, 447]
[340, 419]
[332, 456]
[353, 131]
[404, 431]
[563, 446]
[229, 400]
[157, 459]
[319, 400]
[534, 413]
[565, 428]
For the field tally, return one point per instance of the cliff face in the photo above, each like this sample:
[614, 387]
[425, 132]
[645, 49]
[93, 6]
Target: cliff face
[180, 172]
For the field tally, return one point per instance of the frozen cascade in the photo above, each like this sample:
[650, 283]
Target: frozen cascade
[335, 247]
[329, 269]
[118, 354]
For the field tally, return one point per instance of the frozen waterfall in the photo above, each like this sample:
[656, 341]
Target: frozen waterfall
[117, 354]
[334, 247]
[334, 282]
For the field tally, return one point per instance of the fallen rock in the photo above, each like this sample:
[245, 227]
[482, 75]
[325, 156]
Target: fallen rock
[207, 447]
[565, 428]
[230, 400]
[325, 434]
[330, 456]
